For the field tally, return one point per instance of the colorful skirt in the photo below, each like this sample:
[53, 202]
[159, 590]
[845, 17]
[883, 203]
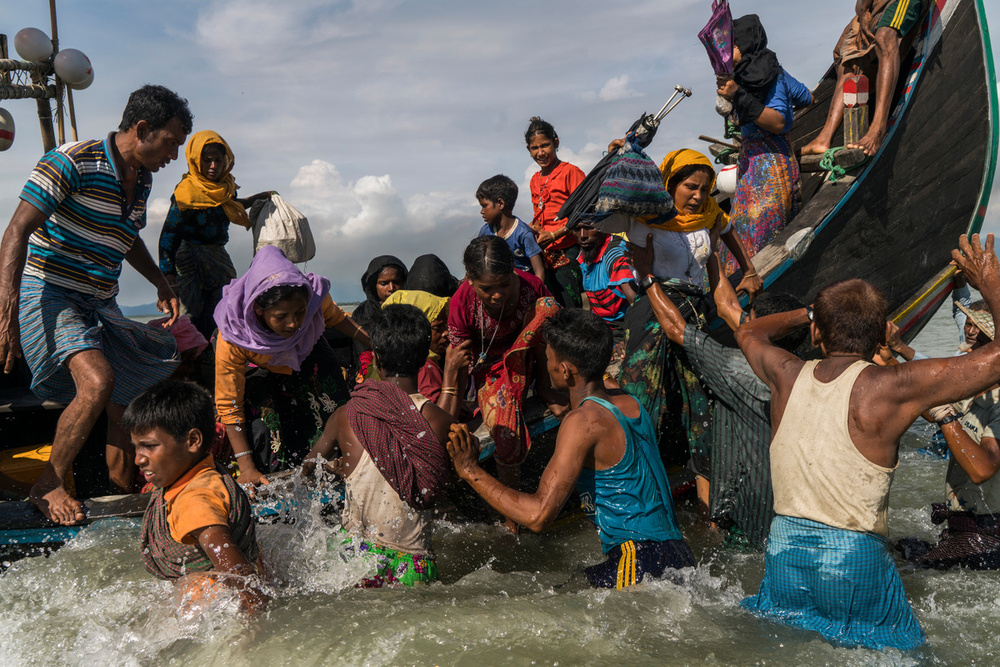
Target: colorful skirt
[840, 583]
[659, 376]
[391, 568]
[287, 413]
[766, 191]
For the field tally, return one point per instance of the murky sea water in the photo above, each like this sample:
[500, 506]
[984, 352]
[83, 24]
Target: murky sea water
[502, 600]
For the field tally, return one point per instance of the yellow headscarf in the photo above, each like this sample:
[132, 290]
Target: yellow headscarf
[431, 306]
[709, 210]
[197, 192]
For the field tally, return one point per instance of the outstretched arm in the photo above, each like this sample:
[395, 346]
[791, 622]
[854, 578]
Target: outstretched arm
[667, 314]
[771, 363]
[220, 546]
[533, 510]
[751, 282]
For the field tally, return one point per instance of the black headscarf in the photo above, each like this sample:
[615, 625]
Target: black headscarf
[367, 311]
[430, 274]
[757, 69]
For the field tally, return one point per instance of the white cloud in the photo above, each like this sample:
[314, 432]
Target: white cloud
[617, 89]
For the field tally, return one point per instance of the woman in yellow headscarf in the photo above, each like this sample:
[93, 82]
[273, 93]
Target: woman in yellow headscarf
[444, 375]
[683, 244]
[193, 255]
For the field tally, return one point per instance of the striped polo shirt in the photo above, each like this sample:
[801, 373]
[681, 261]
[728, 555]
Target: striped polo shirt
[91, 226]
[602, 280]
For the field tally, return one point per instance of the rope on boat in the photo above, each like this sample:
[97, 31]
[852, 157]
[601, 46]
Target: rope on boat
[837, 172]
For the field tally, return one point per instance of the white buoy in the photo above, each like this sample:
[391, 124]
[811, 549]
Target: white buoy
[33, 44]
[726, 181]
[6, 129]
[72, 66]
[83, 84]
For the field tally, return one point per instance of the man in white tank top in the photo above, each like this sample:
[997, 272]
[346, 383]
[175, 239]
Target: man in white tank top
[837, 424]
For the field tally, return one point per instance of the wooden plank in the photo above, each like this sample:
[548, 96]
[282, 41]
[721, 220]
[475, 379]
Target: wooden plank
[847, 158]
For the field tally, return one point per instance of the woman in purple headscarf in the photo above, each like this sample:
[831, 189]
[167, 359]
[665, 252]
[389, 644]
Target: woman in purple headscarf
[273, 317]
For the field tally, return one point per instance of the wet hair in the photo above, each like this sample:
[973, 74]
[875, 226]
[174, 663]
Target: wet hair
[772, 303]
[401, 337]
[684, 173]
[488, 256]
[581, 338]
[157, 106]
[498, 188]
[279, 293]
[850, 315]
[175, 406]
[539, 126]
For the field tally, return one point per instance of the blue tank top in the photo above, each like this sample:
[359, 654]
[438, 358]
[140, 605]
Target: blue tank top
[631, 500]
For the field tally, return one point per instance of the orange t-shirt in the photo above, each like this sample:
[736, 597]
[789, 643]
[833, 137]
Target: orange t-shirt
[549, 193]
[197, 500]
[231, 368]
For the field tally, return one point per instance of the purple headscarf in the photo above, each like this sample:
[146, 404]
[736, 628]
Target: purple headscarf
[239, 324]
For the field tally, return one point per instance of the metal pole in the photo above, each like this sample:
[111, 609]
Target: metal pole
[59, 84]
[72, 113]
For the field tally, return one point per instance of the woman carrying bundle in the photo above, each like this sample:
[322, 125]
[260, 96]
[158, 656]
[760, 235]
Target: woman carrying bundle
[193, 255]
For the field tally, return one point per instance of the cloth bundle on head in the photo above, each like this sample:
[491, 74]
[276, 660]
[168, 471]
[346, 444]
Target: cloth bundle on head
[632, 186]
[240, 325]
[431, 306]
[195, 191]
[399, 440]
[707, 214]
[757, 69]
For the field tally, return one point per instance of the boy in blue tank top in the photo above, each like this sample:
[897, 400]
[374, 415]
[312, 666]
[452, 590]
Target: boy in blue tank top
[606, 447]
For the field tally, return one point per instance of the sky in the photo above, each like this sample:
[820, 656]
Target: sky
[378, 119]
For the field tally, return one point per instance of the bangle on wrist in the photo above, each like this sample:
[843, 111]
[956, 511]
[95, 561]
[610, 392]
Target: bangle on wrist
[246, 453]
[949, 419]
[809, 313]
[451, 391]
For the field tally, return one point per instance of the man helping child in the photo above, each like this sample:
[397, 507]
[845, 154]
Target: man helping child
[606, 446]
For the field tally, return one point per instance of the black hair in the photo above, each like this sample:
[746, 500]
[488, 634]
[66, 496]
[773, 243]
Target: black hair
[686, 171]
[157, 106]
[581, 338]
[497, 188]
[401, 337]
[979, 305]
[488, 256]
[539, 126]
[175, 406]
[850, 315]
[279, 293]
[771, 303]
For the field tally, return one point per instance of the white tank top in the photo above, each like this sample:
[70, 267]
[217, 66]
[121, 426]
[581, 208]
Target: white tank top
[374, 511]
[816, 470]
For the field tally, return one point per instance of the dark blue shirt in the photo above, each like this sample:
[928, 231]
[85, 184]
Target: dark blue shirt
[522, 243]
[785, 95]
[208, 226]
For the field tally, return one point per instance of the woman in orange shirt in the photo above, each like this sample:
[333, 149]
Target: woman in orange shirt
[550, 188]
[274, 317]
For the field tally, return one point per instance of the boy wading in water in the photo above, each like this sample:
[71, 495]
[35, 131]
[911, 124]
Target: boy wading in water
[606, 446]
[392, 459]
[198, 520]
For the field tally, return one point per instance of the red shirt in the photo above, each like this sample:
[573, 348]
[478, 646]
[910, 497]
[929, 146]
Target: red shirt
[549, 193]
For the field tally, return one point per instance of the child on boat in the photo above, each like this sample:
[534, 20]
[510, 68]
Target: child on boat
[497, 196]
[392, 457]
[550, 187]
[198, 520]
[606, 447]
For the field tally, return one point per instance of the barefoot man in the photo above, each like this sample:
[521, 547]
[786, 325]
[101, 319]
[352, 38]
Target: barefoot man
[881, 25]
[79, 217]
[837, 424]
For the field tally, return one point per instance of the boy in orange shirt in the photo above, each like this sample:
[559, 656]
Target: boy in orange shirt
[198, 520]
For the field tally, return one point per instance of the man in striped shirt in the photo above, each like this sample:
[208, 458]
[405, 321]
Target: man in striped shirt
[79, 218]
[607, 276]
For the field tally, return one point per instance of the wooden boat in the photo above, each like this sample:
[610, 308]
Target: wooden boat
[894, 220]
[888, 221]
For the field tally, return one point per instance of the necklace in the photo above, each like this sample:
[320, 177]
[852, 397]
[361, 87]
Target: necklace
[482, 332]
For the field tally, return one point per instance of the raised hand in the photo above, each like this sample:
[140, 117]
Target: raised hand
[979, 264]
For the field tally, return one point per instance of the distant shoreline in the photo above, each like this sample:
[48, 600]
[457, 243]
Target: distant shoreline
[148, 311]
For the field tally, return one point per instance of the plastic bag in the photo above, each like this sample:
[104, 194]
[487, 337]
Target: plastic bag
[278, 223]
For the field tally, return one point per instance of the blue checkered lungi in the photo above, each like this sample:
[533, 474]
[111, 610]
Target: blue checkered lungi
[840, 583]
[56, 323]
